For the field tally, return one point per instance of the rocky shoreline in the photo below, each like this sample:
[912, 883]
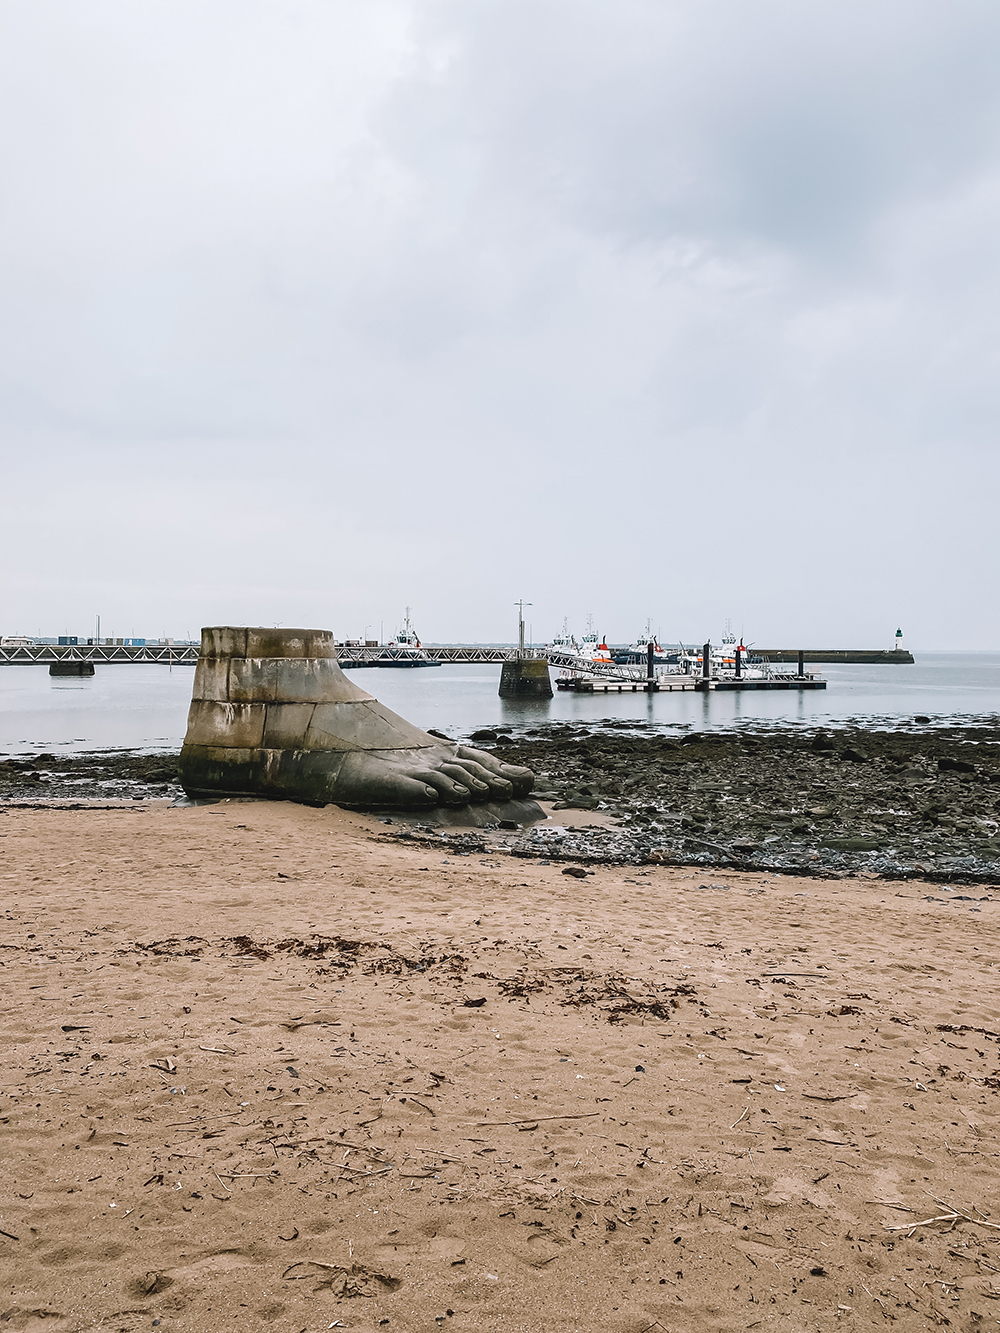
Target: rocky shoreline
[891, 802]
[105, 775]
[898, 803]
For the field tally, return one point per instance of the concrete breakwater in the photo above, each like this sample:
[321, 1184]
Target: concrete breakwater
[868, 656]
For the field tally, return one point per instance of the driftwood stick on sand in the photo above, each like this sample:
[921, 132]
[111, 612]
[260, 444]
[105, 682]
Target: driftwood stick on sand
[979, 1221]
[783, 973]
[951, 1217]
[530, 1119]
[422, 1105]
[245, 1175]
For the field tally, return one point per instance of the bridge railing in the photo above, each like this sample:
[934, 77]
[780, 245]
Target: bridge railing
[449, 653]
[46, 654]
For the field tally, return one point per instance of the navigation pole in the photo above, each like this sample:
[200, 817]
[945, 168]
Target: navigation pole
[524, 677]
[520, 625]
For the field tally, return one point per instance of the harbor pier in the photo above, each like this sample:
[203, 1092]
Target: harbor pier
[353, 657]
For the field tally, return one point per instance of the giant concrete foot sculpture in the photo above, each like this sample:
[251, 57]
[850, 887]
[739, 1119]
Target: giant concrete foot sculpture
[272, 714]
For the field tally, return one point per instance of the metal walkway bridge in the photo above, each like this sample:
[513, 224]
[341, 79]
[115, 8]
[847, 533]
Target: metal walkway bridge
[48, 654]
[610, 671]
[107, 654]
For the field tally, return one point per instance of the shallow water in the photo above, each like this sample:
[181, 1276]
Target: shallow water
[145, 706]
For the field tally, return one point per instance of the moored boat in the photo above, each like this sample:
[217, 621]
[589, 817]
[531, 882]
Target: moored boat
[564, 642]
[730, 659]
[638, 652]
[405, 650]
[594, 649]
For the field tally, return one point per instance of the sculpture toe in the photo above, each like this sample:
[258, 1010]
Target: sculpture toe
[521, 779]
[369, 783]
[451, 791]
[466, 778]
[498, 787]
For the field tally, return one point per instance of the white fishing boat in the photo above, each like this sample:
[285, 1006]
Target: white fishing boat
[638, 653]
[405, 650]
[564, 642]
[730, 658]
[590, 651]
[594, 649]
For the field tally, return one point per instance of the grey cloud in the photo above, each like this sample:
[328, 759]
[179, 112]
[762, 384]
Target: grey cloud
[338, 306]
[779, 123]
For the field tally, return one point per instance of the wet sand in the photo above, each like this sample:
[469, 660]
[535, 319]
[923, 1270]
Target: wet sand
[266, 1066]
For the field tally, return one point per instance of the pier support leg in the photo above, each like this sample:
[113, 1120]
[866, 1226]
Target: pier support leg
[525, 678]
[802, 663]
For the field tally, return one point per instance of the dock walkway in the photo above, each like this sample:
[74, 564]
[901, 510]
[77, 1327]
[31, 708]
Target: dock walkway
[353, 656]
[692, 684]
[106, 654]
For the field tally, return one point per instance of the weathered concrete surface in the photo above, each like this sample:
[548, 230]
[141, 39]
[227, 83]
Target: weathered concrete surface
[525, 678]
[272, 714]
[71, 669]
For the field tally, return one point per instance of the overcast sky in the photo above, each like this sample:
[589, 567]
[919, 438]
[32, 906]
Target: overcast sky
[313, 309]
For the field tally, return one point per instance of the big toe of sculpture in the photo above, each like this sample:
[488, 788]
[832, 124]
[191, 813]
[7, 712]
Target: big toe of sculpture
[272, 714]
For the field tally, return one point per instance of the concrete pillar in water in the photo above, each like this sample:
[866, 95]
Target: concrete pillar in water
[802, 663]
[706, 660]
[650, 673]
[525, 678]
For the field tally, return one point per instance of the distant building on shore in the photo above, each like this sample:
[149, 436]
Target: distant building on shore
[78, 641]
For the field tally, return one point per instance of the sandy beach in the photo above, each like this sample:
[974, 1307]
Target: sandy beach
[267, 1066]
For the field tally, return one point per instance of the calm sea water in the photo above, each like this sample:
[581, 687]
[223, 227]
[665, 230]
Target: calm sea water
[145, 707]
